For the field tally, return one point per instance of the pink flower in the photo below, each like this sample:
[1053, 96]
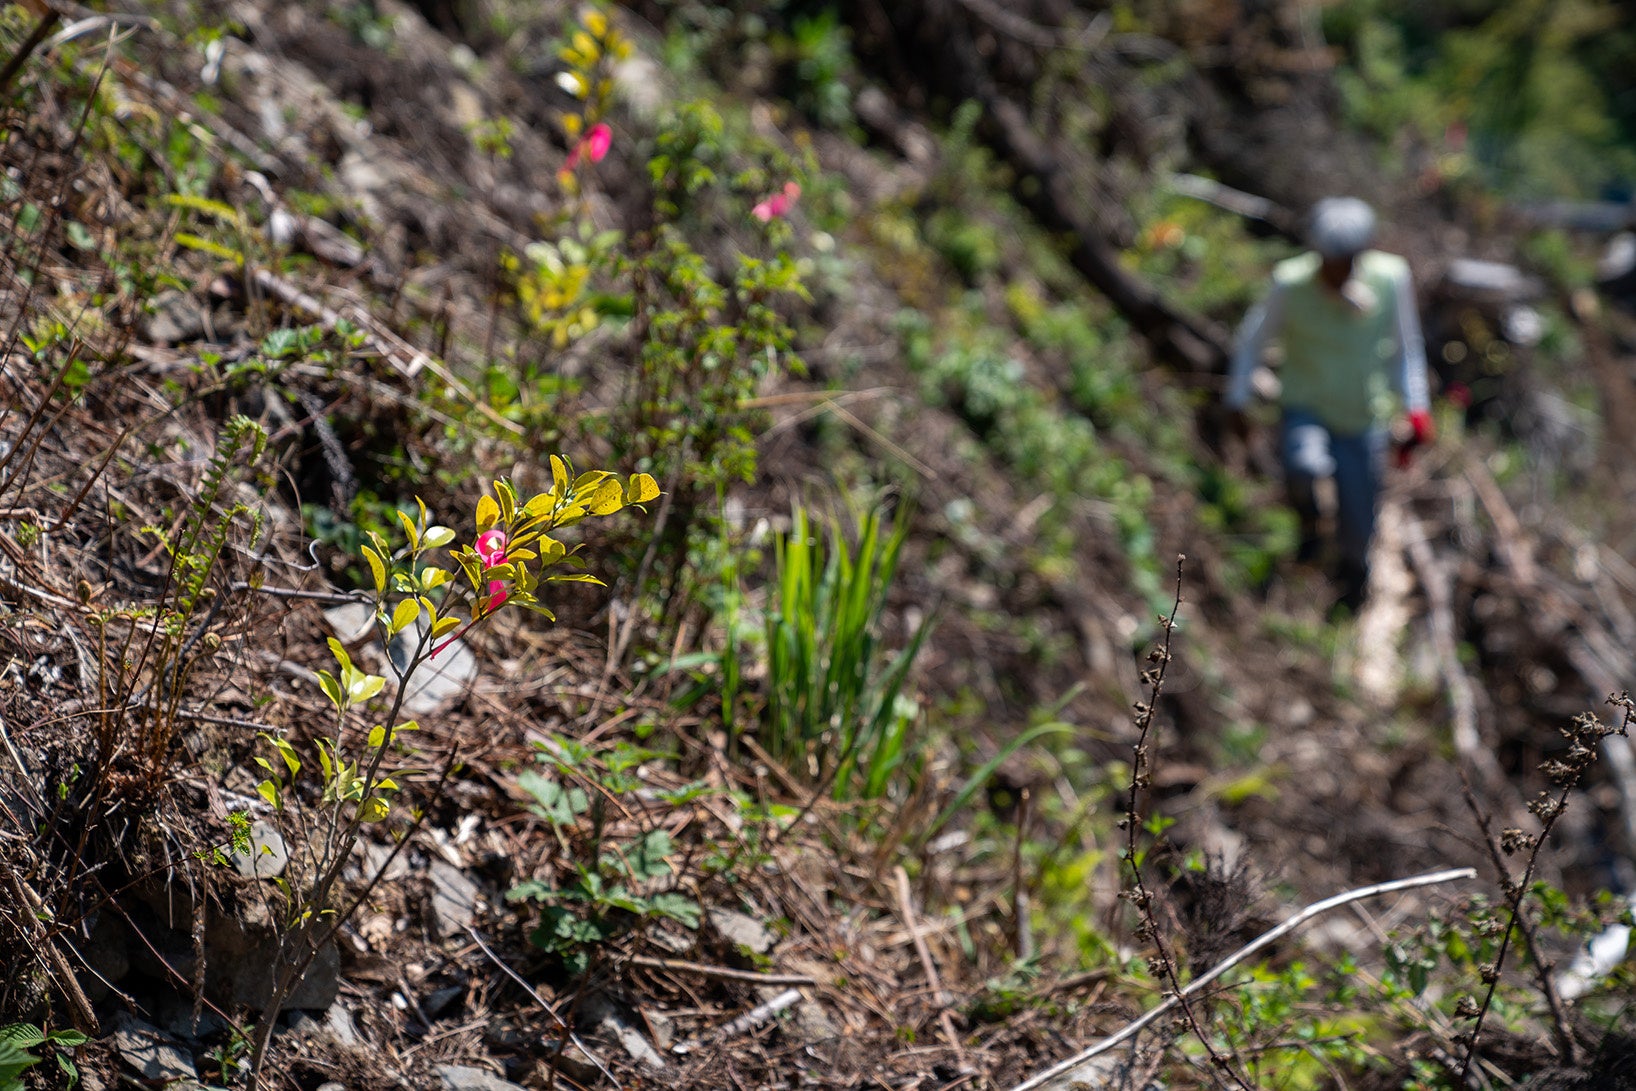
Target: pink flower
[597, 142]
[593, 145]
[496, 598]
[778, 204]
[490, 547]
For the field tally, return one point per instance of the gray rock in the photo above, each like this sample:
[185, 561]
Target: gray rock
[176, 317]
[266, 856]
[609, 1019]
[454, 898]
[149, 1051]
[351, 621]
[336, 1025]
[459, 1077]
[436, 683]
[742, 930]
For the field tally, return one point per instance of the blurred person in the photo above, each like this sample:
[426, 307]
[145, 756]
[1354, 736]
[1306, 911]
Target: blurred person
[1345, 316]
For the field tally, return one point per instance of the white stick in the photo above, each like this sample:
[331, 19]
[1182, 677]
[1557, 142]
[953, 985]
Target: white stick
[748, 1021]
[1290, 925]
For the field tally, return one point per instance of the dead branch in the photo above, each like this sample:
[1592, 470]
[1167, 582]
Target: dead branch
[744, 1023]
[724, 973]
[1435, 579]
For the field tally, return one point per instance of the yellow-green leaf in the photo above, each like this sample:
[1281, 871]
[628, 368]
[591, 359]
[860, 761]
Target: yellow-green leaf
[269, 791]
[287, 752]
[405, 614]
[444, 625]
[641, 488]
[373, 809]
[377, 569]
[365, 686]
[219, 210]
[431, 577]
[215, 249]
[438, 537]
[559, 476]
[409, 529]
[607, 499]
[377, 736]
[331, 688]
[340, 653]
[488, 512]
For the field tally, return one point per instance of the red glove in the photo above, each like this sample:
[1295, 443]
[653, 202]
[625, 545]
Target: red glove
[1420, 434]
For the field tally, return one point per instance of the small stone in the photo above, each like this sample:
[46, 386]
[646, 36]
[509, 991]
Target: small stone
[437, 683]
[610, 1020]
[742, 930]
[266, 856]
[458, 1077]
[454, 898]
[149, 1051]
[350, 621]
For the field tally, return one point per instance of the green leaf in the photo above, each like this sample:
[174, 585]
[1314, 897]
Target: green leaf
[218, 210]
[377, 569]
[404, 615]
[437, 537]
[332, 689]
[287, 752]
[361, 687]
[269, 791]
[340, 653]
[640, 489]
[607, 499]
[373, 809]
[215, 249]
[409, 529]
[678, 907]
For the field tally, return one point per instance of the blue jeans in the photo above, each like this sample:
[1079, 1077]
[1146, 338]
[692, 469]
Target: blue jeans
[1312, 450]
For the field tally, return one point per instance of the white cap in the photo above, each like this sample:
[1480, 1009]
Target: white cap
[1341, 227]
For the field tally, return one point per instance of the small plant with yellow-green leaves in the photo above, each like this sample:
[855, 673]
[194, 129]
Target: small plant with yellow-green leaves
[425, 605]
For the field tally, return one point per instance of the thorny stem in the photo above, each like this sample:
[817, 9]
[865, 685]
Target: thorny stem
[1164, 960]
[1567, 773]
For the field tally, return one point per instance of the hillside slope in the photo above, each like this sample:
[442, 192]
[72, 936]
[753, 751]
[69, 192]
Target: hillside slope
[272, 279]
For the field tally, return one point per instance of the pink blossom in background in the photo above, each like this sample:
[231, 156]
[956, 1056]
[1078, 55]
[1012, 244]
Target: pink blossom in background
[593, 145]
[778, 204]
[597, 142]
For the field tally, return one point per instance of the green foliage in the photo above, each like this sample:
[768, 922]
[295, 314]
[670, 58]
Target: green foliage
[836, 708]
[614, 884]
[16, 1039]
[1535, 93]
[1046, 445]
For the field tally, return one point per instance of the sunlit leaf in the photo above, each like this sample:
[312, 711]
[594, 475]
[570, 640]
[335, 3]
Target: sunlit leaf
[405, 615]
[377, 569]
